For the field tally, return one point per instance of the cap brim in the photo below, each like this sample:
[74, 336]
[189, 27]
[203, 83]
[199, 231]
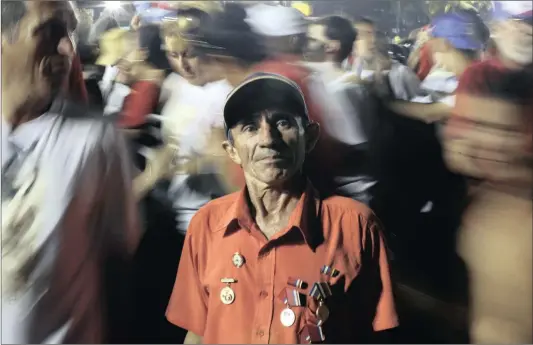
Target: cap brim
[465, 43]
[261, 93]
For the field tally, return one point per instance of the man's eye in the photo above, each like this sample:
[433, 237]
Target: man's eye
[248, 128]
[283, 123]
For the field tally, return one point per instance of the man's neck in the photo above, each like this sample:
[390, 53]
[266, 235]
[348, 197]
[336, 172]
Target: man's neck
[271, 207]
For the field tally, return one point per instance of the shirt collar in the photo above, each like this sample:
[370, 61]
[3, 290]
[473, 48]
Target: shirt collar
[305, 217]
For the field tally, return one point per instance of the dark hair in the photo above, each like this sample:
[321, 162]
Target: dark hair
[12, 14]
[231, 35]
[340, 29]
[150, 39]
[470, 54]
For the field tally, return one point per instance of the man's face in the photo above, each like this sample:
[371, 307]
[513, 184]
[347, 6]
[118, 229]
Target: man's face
[316, 44]
[365, 44]
[515, 41]
[196, 69]
[36, 59]
[271, 146]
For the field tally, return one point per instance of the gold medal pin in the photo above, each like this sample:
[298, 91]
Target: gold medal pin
[227, 295]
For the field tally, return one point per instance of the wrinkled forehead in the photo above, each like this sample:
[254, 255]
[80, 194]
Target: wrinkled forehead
[41, 11]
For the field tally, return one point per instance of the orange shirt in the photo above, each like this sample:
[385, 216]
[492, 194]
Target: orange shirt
[336, 231]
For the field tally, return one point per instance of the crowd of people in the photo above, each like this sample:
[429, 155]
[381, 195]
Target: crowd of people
[229, 173]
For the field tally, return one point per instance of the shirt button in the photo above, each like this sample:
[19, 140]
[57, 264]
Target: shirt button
[263, 294]
[260, 333]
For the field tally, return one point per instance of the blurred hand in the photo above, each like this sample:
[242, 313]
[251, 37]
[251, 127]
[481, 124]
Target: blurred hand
[135, 23]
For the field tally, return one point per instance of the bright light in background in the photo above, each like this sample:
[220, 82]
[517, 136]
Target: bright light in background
[112, 5]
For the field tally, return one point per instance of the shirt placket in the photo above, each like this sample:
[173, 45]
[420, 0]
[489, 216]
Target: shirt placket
[265, 305]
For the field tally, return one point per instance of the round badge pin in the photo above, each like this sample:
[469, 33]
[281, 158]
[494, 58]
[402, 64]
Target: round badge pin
[227, 295]
[287, 317]
[322, 314]
[238, 260]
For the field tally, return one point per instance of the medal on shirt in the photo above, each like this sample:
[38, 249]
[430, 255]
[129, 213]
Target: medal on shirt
[328, 271]
[238, 260]
[320, 291]
[311, 334]
[287, 317]
[227, 295]
[322, 313]
[297, 283]
[291, 298]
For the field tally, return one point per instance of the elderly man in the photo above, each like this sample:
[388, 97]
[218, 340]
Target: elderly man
[275, 262]
[66, 193]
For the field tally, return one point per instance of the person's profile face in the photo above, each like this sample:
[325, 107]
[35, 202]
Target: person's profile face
[39, 55]
[269, 145]
[365, 44]
[316, 44]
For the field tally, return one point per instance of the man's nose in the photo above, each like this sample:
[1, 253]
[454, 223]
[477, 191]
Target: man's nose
[65, 47]
[267, 133]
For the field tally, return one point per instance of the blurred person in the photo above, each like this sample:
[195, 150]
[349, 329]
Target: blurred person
[68, 235]
[283, 28]
[437, 195]
[232, 49]
[184, 172]
[372, 61]
[457, 41]
[488, 138]
[330, 42]
[365, 45]
[114, 45]
[199, 79]
[231, 242]
[137, 86]
[420, 59]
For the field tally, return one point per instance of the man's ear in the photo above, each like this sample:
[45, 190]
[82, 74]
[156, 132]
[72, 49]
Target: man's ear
[312, 134]
[231, 151]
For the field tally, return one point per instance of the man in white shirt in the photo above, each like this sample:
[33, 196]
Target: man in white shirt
[67, 210]
[348, 103]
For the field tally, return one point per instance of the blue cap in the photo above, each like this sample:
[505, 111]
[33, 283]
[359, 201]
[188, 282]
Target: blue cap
[458, 29]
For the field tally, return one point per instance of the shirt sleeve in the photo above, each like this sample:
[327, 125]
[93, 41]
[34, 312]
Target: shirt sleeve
[375, 287]
[140, 103]
[187, 307]
[386, 316]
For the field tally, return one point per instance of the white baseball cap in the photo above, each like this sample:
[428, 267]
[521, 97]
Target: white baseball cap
[276, 20]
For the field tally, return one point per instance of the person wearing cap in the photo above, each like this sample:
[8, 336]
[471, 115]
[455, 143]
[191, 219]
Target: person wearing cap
[114, 45]
[183, 173]
[251, 258]
[284, 28]
[489, 138]
[458, 39]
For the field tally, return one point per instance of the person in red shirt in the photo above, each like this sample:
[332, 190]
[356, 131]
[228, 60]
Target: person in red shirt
[144, 70]
[489, 138]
